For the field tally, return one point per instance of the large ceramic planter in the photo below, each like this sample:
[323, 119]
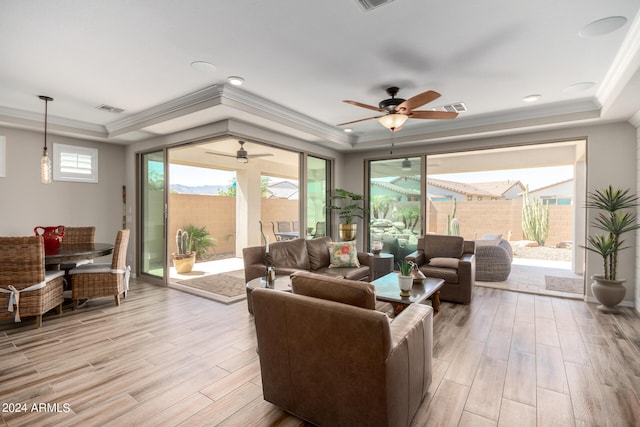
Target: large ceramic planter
[609, 293]
[184, 263]
[347, 232]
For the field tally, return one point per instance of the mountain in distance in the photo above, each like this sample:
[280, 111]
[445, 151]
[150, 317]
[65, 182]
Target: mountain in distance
[210, 190]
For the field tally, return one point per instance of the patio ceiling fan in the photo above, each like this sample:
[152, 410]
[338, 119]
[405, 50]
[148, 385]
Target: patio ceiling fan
[398, 110]
[241, 155]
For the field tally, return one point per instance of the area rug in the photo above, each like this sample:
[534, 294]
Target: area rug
[564, 284]
[225, 287]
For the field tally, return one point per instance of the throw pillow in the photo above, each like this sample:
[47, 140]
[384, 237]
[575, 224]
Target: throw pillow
[444, 262]
[487, 243]
[494, 236]
[343, 254]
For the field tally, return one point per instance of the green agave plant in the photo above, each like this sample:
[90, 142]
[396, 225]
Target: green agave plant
[614, 221]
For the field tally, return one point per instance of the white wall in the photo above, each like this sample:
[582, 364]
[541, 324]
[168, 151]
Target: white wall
[25, 202]
[611, 159]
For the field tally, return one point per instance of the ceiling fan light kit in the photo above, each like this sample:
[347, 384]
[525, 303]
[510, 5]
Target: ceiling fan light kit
[396, 111]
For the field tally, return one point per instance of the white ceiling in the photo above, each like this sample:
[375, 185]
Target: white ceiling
[300, 59]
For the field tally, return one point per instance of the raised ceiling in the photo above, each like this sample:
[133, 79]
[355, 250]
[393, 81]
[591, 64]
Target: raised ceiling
[300, 59]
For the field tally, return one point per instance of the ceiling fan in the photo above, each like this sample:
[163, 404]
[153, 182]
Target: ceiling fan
[397, 110]
[241, 155]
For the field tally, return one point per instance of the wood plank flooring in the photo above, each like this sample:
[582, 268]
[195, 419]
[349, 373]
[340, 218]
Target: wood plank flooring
[167, 358]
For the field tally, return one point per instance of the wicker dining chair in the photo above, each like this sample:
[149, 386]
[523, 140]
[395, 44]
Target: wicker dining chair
[26, 289]
[77, 235]
[102, 279]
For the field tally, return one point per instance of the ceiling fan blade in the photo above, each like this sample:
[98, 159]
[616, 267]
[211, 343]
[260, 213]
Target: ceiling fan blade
[433, 115]
[253, 156]
[369, 107]
[417, 101]
[220, 154]
[359, 120]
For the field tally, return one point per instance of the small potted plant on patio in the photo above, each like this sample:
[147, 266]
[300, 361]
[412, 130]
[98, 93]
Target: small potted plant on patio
[184, 259]
[615, 220]
[405, 279]
[349, 206]
[201, 241]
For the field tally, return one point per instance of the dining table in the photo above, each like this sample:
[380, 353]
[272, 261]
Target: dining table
[73, 252]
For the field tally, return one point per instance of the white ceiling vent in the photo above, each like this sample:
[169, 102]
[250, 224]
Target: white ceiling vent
[368, 5]
[109, 109]
[458, 107]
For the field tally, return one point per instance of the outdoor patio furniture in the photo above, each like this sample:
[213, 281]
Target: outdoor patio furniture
[493, 260]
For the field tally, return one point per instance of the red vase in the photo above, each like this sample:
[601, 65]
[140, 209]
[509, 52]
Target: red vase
[52, 237]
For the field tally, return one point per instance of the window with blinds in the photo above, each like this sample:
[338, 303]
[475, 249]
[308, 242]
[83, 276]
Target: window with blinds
[75, 163]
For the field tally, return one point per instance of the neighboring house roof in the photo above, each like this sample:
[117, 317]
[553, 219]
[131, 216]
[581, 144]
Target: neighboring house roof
[283, 190]
[547, 187]
[398, 189]
[488, 189]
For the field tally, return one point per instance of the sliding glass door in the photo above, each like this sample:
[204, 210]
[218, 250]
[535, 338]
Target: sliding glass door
[395, 204]
[318, 185]
[153, 214]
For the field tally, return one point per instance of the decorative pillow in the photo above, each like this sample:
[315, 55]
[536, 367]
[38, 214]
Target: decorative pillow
[343, 254]
[444, 262]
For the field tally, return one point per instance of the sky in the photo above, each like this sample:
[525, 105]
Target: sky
[194, 177]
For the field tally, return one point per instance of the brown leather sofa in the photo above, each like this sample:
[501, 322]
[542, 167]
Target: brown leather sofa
[300, 255]
[450, 258]
[329, 358]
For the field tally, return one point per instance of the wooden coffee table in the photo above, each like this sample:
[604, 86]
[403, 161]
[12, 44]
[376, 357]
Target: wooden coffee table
[387, 289]
[282, 283]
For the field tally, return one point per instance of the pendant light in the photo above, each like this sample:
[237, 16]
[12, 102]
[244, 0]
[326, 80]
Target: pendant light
[45, 162]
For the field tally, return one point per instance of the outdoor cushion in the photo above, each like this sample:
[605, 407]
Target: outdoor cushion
[343, 254]
[359, 294]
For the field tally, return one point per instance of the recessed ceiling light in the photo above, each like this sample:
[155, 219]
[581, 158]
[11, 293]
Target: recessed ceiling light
[348, 130]
[577, 87]
[603, 26]
[531, 98]
[235, 80]
[203, 66]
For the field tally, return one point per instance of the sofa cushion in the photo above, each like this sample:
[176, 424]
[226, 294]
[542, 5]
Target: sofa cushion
[351, 273]
[449, 275]
[318, 252]
[351, 292]
[343, 254]
[289, 254]
[444, 262]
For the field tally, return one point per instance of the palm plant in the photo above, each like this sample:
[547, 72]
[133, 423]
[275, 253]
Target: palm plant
[200, 240]
[615, 222]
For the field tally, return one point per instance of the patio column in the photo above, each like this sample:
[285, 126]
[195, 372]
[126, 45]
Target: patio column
[247, 209]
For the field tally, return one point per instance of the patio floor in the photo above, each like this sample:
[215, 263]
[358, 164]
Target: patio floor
[528, 275]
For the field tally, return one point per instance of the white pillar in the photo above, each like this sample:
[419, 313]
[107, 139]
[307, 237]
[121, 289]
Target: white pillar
[248, 205]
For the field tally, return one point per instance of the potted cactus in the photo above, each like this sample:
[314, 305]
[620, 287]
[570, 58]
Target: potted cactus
[184, 258]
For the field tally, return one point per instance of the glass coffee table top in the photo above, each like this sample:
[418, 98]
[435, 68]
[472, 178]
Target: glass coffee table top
[388, 289]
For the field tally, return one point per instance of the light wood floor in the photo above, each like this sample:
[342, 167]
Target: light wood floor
[169, 358]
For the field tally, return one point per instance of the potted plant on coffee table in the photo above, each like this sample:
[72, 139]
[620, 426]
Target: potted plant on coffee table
[405, 279]
[349, 206]
[184, 258]
[615, 219]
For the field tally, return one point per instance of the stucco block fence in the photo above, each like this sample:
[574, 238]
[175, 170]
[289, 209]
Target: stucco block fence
[218, 214]
[477, 217]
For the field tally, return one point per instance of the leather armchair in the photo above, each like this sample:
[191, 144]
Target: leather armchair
[450, 258]
[328, 357]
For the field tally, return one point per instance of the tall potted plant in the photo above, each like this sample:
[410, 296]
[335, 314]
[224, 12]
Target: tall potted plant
[184, 258]
[615, 219]
[349, 206]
